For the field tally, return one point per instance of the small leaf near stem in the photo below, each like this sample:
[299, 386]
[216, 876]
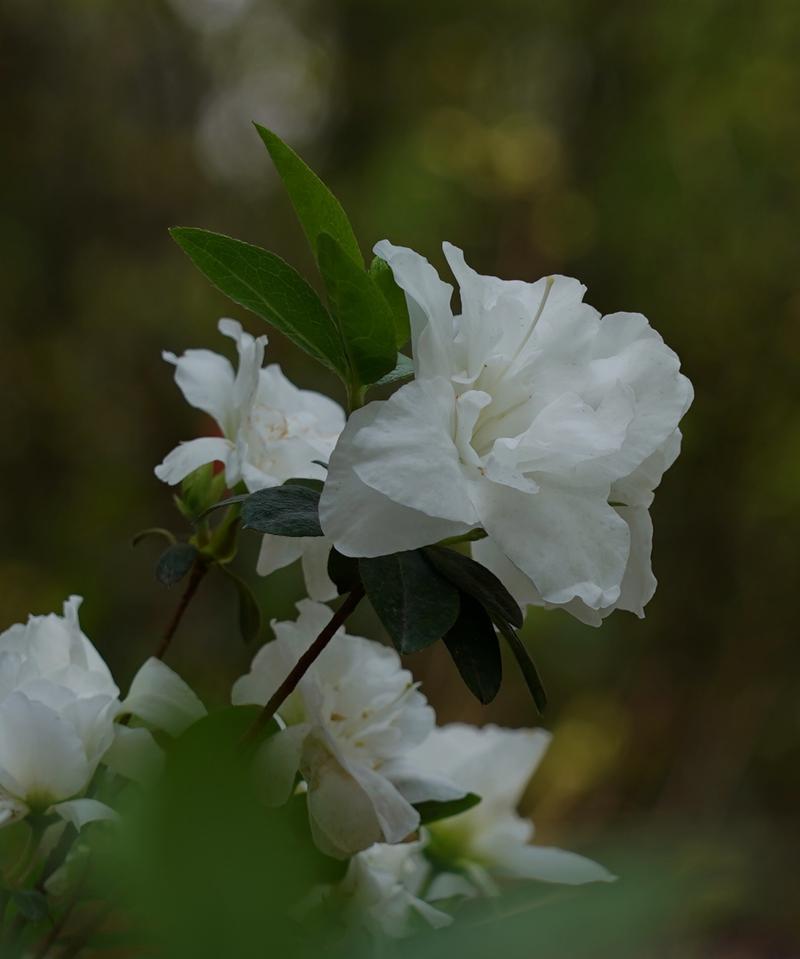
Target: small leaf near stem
[309, 656]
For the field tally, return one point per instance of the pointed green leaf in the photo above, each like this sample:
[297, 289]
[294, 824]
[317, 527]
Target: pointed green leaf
[432, 811]
[526, 664]
[343, 572]
[478, 582]
[174, 563]
[316, 207]
[250, 620]
[267, 285]
[473, 645]
[381, 273]
[403, 370]
[414, 603]
[364, 317]
[290, 510]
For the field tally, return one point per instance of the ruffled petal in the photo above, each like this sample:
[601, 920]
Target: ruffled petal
[162, 699]
[80, 812]
[189, 456]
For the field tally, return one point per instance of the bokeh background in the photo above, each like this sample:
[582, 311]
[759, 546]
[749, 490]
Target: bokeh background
[653, 150]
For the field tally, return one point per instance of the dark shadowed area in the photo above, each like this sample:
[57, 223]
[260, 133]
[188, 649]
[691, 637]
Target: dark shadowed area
[652, 150]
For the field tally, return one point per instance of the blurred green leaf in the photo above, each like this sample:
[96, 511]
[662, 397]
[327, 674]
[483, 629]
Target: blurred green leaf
[473, 645]
[264, 283]
[31, 904]
[381, 273]
[364, 317]
[290, 510]
[175, 562]
[317, 208]
[414, 603]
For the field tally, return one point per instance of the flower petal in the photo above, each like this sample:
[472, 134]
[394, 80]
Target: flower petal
[80, 812]
[161, 698]
[206, 380]
[134, 754]
[189, 456]
[568, 540]
[548, 864]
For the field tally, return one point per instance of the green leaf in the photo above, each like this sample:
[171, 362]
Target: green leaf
[316, 207]
[526, 665]
[201, 489]
[175, 562]
[31, 904]
[477, 581]
[343, 572]
[414, 603]
[250, 621]
[432, 811]
[473, 645]
[361, 311]
[264, 283]
[381, 273]
[290, 510]
[404, 370]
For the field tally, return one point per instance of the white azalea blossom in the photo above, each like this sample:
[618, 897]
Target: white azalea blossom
[271, 431]
[383, 890]
[531, 418]
[58, 706]
[349, 724]
[491, 840]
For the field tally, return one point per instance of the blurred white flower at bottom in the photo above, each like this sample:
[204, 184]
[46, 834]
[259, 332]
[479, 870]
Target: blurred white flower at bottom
[491, 841]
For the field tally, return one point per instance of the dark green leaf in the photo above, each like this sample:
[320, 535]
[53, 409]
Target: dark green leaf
[316, 207]
[31, 904]
[316, 484]
[364, 317]
[264, 283]
[175, 562]
[249, 611]
[404, 370]
[343, 572]
[526, 665]
[381, 273]
[478, 582]
[473, 644]
[432, 811]
[156, 531]
[413, 602]
[283, 511]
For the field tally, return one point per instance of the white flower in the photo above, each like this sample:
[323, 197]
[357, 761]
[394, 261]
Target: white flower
[271, 431]
[58, 706]
[491, 840]
[383, 890]
[350, 722]
[530, 417]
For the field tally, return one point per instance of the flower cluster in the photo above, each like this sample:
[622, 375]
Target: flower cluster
[60, 713]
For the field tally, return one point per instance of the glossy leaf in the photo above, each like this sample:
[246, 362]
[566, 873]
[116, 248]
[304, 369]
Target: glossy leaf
[414, 603]
[526, 664]
[404, 370]
[361, 311]
[381, 273]
[175, 562]
[343, 572]
[432, 811]
[478, 582]
[264, 283]
[474, 647]
[289, 510]
[250, 620]
[316, 207]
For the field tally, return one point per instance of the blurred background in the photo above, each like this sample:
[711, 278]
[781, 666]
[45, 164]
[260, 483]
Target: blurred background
[652, 150]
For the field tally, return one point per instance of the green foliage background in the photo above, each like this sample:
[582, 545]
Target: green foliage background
[653, 150]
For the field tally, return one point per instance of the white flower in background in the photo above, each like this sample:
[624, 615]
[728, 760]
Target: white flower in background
[491, 841]
[383, 890]
[349, 724]
[271, 431]
[58, 706]
[530, 417]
